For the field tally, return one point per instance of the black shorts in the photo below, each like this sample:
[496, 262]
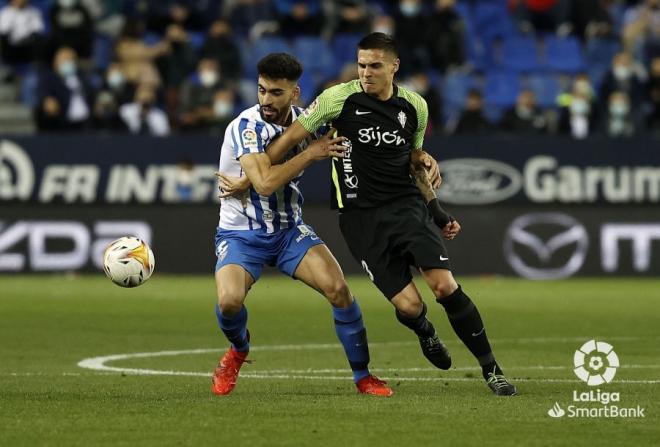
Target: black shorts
[391, 238]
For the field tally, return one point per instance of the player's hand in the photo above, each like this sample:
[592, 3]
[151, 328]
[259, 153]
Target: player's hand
[326, 147]
[451, 230]
[230, 186]
[431, 166]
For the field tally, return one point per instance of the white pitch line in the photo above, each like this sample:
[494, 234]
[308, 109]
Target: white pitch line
[100, 364]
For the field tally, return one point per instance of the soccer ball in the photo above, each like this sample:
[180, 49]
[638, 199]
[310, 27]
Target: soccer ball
[128, 261]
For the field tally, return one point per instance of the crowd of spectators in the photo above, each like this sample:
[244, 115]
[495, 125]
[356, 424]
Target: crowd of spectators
[162, 66]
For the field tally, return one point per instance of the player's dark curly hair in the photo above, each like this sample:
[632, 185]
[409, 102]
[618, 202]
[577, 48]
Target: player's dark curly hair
[379, 41]
[280, 66]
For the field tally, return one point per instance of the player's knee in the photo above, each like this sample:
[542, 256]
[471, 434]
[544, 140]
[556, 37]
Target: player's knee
[409, 308]
[337, 292]
[443, 289]
[230, 303]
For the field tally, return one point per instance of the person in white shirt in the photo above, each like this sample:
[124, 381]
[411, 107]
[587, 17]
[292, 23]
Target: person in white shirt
[21, 30]
[143, 116]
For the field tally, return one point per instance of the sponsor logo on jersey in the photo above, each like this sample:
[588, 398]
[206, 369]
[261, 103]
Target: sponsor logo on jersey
[375, 136]
[350, 179]
[310, 108]
[249, 139]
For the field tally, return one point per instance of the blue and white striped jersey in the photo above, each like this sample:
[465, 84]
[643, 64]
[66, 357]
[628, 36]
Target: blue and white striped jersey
[250, 134]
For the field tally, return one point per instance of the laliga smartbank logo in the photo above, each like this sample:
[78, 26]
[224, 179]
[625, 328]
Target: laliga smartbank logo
[595, 363]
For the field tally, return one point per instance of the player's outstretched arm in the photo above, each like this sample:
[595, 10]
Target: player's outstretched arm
[293, 135]
[267, 178]
[450, 226]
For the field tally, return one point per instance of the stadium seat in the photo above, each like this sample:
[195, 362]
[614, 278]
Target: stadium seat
[546, 87]
[102, 51]
[492, 20]
[197, 39]
[598, 54]
[315, 56]
[455, 88]
[564, 54]
[344, 48]
[519, 53]
[501, 89]
[261, 48]
[30, 88]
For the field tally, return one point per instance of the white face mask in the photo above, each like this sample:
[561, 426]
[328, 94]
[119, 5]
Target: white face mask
[208, 78]
[579, 107]
[67, 68]
[222, 109]
[622, 73]
[67, 3]
[115, 79]
[410, 9]
[619, 109]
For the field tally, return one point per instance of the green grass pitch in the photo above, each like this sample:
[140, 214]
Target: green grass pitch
[297, 391]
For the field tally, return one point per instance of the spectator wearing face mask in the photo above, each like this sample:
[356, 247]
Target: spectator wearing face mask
[578, 109]
[410, 26]
[223, 111]
[525, 117]
[653, 118]
[445, 36]
[65, 95]
[116, 84]
[420, 83]
[142, 116]
[21, 32]
[72, 26]
[197, 95]
[624, 75]
[619, 121]
[221, 47]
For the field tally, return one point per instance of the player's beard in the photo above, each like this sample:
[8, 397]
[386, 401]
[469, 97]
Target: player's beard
[272, 114]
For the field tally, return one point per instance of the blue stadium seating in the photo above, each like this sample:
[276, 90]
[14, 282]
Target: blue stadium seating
[546, 87]
[344, 48]
[492, 20]
[455, 88]
[501, 88]
[315, 56]
[598, 54]
[261, 48]
[519, 53]
[564, 54]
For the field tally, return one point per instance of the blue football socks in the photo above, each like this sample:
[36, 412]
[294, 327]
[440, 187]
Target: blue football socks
[235, 328]
[353, 336]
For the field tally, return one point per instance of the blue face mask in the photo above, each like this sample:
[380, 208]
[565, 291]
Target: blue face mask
[67, 68]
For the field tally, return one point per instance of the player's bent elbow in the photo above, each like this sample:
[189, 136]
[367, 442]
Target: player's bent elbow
[264, 188]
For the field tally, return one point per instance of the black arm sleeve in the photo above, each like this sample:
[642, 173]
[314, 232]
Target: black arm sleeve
[439, 215]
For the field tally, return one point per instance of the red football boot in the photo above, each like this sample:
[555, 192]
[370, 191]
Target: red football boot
[374, 386]
[226, 373]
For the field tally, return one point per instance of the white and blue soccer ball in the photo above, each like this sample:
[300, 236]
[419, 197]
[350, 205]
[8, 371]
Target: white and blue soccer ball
[128, 261]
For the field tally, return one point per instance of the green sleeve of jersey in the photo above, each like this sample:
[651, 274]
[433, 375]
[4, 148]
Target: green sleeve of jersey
[326, 107]
[422, 110]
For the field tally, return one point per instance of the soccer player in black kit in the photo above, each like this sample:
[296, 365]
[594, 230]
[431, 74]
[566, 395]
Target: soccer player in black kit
[386, 223]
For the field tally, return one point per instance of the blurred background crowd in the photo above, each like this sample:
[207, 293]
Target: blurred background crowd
[574, 67]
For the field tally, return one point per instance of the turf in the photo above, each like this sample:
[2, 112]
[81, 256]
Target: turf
[302, 395]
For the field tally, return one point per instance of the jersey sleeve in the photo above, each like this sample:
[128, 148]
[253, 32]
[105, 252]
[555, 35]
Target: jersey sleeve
[422, 121]
[248, 136]
[325, 108]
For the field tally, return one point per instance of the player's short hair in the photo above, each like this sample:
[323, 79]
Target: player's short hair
[379, 41]
[280, 66]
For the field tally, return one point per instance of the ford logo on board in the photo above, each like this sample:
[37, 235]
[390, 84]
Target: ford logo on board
[477, 181]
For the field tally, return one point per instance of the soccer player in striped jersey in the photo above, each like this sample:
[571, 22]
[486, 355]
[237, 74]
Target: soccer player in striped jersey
[386, 223]
[264, 225]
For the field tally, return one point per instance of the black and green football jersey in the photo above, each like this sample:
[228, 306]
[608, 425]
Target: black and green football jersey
[382, 135]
